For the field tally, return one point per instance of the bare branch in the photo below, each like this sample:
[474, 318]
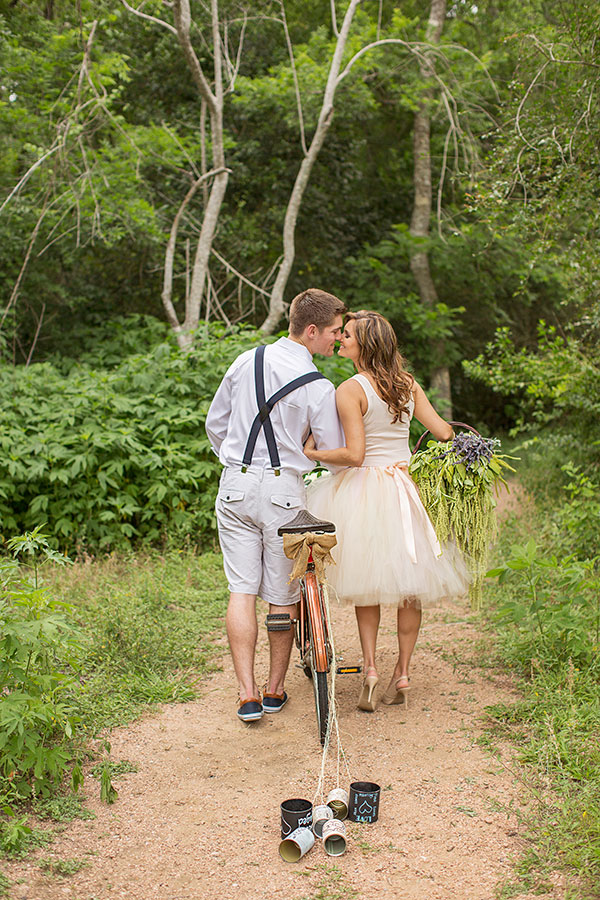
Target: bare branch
[170, 253]
[183, 19]
[239, 275]
[334, 19]
[295, 75]
[22, 181]
[37, 334]
[32, 240]
[211, 289]
[538, 75]
[86, 58]
[176, 139]
[96, 216]
[142, 15]
[235, 69]
[441, 182]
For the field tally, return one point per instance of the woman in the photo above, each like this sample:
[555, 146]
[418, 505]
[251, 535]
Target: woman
[387, 549]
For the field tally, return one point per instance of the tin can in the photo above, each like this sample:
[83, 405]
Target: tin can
[364, 801]
[296, 845]
[337, 801]
[334, 837]
[295, 813]
[321, 814]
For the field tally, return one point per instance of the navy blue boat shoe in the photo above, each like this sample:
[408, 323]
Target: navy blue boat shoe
[250, 710]
[273, 703]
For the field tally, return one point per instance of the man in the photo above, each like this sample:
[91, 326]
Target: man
[261, 486]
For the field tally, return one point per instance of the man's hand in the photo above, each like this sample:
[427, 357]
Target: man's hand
[310, 448]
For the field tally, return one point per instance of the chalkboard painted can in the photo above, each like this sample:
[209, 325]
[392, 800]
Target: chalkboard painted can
[321, 814]
[337, 801]
[334, 837]
[364, 801]
[296, 845]
[295, 813]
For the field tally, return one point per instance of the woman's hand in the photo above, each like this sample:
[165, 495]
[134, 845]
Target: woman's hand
[310, 448]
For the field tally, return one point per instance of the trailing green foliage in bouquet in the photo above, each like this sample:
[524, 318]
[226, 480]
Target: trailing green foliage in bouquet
[456, 481]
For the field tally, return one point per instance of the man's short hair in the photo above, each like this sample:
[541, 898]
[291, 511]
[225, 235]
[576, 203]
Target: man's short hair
[314, 307]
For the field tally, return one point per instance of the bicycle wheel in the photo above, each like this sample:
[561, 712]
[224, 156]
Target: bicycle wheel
[319, 652]
[321, 703]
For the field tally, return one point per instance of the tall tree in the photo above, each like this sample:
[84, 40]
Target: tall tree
[311, 152]
[224, 72]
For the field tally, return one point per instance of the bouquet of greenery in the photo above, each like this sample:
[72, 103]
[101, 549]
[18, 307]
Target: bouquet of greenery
[457, 481]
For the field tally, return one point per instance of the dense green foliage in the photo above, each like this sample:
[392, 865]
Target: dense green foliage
[118, 143]
[107, 454]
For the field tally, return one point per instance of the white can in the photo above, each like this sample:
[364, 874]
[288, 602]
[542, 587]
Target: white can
[337, 801]
[296, 845]
[334, 837]
[321, 814]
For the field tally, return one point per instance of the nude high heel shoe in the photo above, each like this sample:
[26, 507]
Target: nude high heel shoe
[366, 700]
[397, 692]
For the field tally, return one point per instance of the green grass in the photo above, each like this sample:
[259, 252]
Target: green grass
[331, 885]
[62, 808]
[62, 867]
[147, 633]
[115, 769]
[554, 724]
[149, 625]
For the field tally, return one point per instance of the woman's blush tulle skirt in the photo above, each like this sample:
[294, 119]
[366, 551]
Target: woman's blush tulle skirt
[387, 551]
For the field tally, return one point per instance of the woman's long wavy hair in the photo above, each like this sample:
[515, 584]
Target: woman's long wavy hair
[380, 357]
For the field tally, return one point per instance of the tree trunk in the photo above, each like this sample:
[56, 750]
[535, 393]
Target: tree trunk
[421, 216]
[276, 302]
[214, 102]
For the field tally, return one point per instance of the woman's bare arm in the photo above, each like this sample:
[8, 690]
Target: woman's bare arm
[350, 399]
[428, 417]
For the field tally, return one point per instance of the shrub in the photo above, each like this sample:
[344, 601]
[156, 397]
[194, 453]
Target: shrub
[110, 455]
[37, 719]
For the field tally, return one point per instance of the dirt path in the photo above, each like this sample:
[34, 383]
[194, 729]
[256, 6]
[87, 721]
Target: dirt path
[200, 817]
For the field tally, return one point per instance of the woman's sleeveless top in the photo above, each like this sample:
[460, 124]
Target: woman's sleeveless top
[386, 443]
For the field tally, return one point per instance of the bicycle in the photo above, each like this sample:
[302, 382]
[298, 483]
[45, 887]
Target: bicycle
[312, 627]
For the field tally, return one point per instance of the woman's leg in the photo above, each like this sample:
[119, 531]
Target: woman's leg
[367, 618]
[409, 623]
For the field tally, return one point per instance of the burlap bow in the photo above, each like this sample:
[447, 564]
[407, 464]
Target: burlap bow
[298, 547]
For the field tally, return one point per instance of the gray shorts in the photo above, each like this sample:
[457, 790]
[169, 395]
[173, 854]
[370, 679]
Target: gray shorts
[250, 508]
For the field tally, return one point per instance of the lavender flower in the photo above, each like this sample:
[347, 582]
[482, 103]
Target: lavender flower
[471, 448]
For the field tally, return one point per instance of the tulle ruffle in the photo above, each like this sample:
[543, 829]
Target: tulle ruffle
[387, 551]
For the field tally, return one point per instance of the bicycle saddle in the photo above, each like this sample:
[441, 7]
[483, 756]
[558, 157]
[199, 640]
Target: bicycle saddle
[304, 521]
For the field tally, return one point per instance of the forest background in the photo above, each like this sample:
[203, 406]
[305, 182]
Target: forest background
[171, 175]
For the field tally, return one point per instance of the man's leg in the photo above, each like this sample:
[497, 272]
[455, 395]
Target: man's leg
[280, 645]
[242, 631]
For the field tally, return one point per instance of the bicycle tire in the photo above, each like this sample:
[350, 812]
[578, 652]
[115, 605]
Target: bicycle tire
[319, 656]
[321, 703]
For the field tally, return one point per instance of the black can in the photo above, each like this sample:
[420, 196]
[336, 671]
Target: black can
[295, 814]
[363, 802]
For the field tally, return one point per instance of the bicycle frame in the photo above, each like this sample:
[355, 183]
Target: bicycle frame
[312, 620]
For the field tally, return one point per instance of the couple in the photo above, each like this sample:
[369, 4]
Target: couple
[387, 550]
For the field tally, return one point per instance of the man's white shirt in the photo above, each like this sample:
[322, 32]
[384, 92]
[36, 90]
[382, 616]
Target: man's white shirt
[308, 408]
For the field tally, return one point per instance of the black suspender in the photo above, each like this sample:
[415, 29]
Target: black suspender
[265, 406]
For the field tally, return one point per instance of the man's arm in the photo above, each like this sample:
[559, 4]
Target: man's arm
[325, 424]
[217, 417]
